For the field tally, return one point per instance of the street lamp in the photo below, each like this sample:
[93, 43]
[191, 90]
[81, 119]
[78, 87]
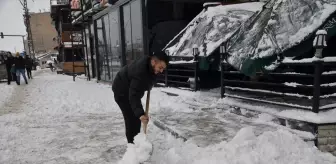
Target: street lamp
[195, 50]
[167, 52]
[222, 50]
[320, 42]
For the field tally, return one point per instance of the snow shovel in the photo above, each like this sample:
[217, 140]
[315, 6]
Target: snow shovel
[145, 125]
[146, 111]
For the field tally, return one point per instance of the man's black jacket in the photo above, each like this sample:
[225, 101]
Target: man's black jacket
[9, 62]
[20, 63]
[132, 81]
[29, 63]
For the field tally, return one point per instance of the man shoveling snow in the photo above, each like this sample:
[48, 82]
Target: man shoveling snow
[129, 86]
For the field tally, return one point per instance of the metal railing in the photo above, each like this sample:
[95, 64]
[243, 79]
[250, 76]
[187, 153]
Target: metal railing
[315, 83]
[181, 74]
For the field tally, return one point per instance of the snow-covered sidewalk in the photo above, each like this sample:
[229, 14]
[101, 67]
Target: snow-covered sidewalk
[195, 116]
[55, 120]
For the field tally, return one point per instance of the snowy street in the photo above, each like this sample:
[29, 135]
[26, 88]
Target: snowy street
[54, 120]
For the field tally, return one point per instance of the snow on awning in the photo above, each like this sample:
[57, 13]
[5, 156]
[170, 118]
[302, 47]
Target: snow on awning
[80, 17]
[212, 27]
[278, 27]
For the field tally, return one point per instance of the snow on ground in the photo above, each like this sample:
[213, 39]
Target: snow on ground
[55, 120]
[6, 92]
[61, 121]
[277, 147]
[323, 117]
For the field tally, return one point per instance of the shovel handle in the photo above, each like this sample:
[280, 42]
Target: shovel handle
[147, 110]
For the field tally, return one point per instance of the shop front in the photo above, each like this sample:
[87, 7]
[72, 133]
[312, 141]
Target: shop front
[119, 38]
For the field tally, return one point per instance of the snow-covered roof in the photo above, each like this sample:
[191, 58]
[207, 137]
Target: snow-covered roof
[211, 26]
[279, 26]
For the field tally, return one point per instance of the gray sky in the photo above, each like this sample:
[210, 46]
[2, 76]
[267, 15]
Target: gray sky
[11, 21]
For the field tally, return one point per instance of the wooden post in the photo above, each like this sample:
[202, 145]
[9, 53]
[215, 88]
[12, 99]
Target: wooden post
[222, 80]
[317, 85]
[196, 74]
[166, 77]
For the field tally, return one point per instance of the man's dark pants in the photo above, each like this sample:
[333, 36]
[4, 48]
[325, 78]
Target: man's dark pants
[9, 76]
[132, 123]
[29, 73]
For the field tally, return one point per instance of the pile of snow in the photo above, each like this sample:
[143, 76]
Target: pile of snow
[212, 27]
[138, 152]
[277, 147]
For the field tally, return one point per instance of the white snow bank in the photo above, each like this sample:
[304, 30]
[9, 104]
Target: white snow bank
[308, 116]
[277, 147]
[138, 152]
[181, 62]
[309, 60]
[321, 32]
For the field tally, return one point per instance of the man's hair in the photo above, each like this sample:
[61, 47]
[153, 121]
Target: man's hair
[161, 56]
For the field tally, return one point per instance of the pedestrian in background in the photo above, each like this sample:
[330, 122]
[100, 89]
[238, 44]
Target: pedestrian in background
[29, 66]
[9, 63]
[20, 69]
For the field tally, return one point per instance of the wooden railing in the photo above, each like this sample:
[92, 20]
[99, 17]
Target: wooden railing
[307, 84]
[181, 74]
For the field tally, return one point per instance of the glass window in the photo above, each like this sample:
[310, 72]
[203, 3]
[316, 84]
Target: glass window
[78, 52]
[107, 41]
[87, 50]
[137, 29]
[115, 51]
[127, 33]
[99, 23]
[101, 48]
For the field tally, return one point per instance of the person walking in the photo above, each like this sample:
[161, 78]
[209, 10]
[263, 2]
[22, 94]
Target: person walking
[29, 66]
[9, 61]
[129, 87]
[20, 69]
[51, 67]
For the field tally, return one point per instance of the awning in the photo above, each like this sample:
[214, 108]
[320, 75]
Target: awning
[261, 42]
[211, 27]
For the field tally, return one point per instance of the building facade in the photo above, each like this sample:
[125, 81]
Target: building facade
[119, 32]
[43, 32]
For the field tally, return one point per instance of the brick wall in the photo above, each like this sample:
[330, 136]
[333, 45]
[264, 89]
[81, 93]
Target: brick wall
[327, 138]
[43, 32]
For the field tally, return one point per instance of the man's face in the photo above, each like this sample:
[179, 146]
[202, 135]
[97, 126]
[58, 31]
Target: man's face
[158, 66]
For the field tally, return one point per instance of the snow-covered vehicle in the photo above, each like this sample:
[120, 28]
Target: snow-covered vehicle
[3, 71]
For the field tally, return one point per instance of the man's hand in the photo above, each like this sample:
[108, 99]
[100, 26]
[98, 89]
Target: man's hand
[144, 119]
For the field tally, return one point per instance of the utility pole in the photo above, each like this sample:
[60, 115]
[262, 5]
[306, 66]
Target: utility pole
[26, 19]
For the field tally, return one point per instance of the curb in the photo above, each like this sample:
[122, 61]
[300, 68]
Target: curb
[163, 127]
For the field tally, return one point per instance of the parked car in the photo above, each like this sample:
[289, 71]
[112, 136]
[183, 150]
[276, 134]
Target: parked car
[3, 72]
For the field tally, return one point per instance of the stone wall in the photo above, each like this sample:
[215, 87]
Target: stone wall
[327, 138]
